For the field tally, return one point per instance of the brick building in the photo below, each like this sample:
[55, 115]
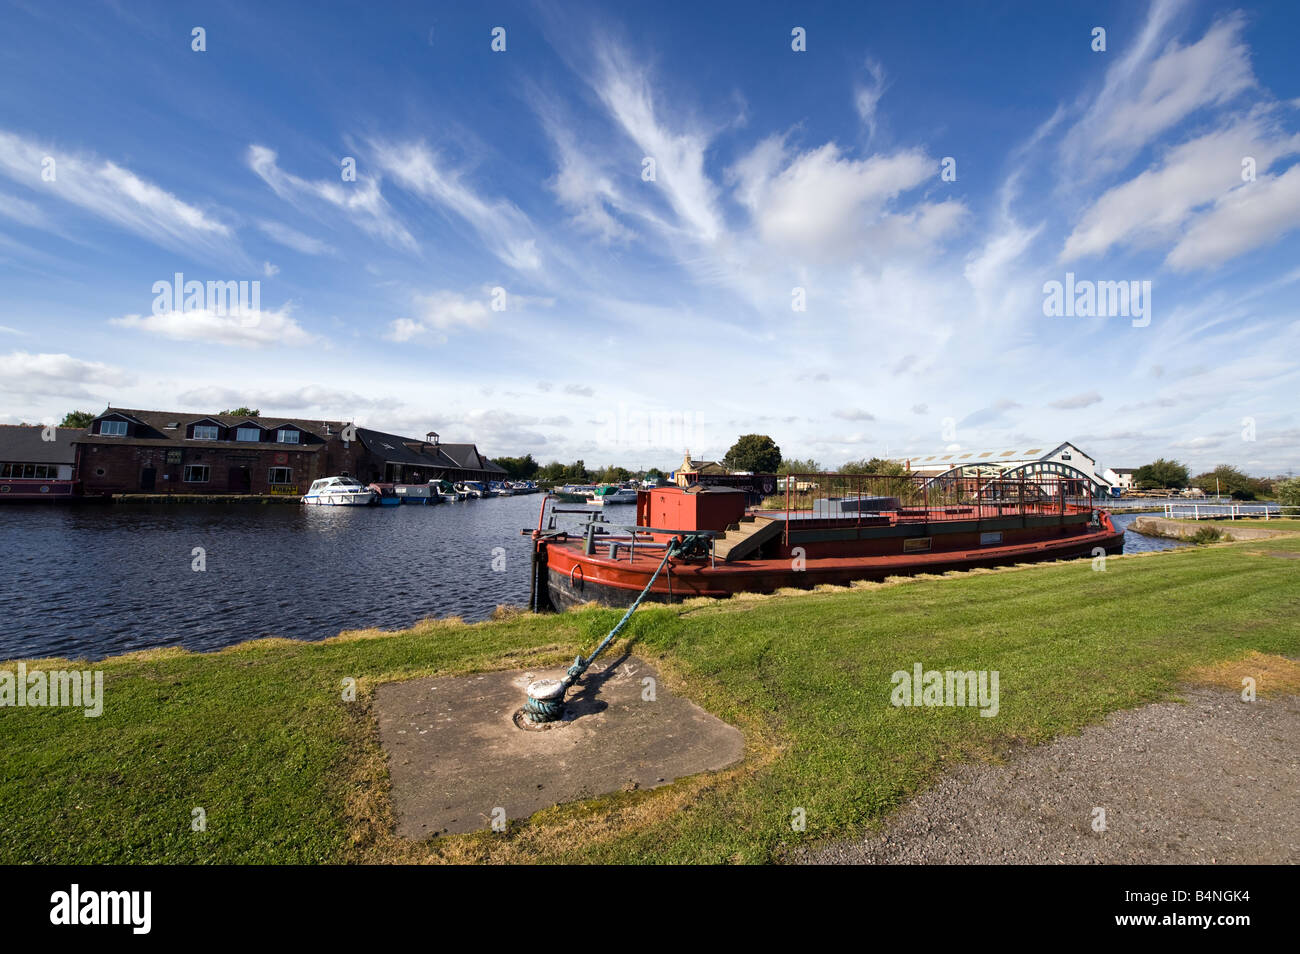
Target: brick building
[130, 451]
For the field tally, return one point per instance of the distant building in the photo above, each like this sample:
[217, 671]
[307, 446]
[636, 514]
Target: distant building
[37, 462]
[685, 475]
[1120, 477]
[1031, 461]
[131, 451]
[390, 459]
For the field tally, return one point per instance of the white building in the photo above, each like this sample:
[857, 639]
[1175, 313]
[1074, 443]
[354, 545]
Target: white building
[1040, 459]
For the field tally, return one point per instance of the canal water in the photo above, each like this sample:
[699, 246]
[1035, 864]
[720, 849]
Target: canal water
[94, 581]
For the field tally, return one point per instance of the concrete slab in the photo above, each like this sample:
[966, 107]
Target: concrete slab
[456, 755]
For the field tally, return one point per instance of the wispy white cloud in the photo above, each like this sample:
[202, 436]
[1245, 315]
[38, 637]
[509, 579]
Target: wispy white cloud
[1156, 206]
[112, 193]
[867, 96]
[503, 228]
[292, 238]
[362, 200]
[1250, 216]
[1152, 87]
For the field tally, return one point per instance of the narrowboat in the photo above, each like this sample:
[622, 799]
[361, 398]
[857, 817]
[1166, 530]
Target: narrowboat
[385, 494]
[419, 494]
[838, 530]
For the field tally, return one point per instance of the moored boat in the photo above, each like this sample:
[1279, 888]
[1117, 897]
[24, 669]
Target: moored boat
[472, 489]
[419, 494]
[846, 529]
[339, 492]
[604, 496]
[385, 494]
[446, 490]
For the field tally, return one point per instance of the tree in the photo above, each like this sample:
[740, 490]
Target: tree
[876, 465]
[1229, 480]
[243, 412]
[77, 419]
[1160, 474]
[756, 453]
[796, 466]
[1288, 492]
[613, 475]
[517, 468]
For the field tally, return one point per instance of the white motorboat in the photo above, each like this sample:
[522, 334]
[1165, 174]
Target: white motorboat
[473, 489]
[622, 495]
[339, 492]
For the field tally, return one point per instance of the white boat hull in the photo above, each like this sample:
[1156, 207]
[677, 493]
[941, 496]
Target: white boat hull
[339, 500]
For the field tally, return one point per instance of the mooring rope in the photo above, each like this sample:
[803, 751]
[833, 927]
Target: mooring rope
[548, 706]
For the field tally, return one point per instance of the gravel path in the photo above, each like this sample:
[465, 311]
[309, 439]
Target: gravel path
[1214, 781]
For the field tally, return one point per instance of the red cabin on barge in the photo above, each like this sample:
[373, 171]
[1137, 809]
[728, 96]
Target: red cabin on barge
[818, 529]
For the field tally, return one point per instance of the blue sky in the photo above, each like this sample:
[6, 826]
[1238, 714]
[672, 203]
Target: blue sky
[646, 316]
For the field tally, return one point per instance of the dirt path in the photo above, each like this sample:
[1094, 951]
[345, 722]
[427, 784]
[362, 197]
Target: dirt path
[1215, 780]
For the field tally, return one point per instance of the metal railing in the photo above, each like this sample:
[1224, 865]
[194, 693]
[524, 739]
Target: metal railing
[1238, 511]
[863, 500]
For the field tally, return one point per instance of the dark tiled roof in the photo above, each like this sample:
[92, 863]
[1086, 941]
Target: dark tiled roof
[154, 430]
[23, 444]
[405, 450]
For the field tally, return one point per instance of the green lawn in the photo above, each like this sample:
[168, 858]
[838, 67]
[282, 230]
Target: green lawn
[260, 738]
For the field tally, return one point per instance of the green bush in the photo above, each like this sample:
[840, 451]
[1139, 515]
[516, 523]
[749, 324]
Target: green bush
[1288, 492]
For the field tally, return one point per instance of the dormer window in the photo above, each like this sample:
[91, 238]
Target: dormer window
[205, 432]
[287, 435]
[112, 428]
[253, 434]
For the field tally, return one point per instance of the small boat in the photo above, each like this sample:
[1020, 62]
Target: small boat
[339, 492]
[387, 495]
[500, 488]
[419, 494]
[605, 496]
[446, 490]
[472, 489]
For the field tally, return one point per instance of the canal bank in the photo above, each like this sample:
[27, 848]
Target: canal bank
[1256, 529]
[270, 739]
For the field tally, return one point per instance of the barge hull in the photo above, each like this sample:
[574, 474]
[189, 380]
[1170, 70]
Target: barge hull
[574, 578]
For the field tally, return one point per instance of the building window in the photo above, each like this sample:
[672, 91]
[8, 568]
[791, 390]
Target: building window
[112, 428]
[281, 475]
[196, 473]
[287, 435]
[205, 432]
[30, 471]
[248, 434]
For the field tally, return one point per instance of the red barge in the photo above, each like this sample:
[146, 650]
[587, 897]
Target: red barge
[811, 530]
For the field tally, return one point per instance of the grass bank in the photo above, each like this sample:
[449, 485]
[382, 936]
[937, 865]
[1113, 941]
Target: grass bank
[259, 737]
